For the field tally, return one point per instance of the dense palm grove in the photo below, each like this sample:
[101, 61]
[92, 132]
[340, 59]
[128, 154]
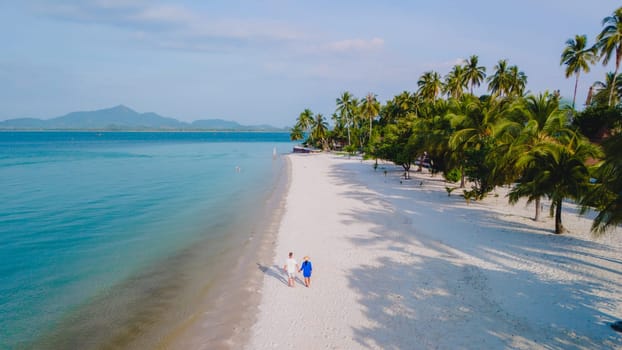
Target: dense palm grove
[536, 144]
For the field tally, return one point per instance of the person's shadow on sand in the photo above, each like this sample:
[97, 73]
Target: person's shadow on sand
[273, 271]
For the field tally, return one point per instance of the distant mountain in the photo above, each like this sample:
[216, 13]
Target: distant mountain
[124, 118]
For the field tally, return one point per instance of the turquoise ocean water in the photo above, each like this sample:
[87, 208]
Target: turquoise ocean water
[85, 216]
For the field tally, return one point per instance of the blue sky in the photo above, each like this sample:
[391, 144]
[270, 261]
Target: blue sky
[265, 61]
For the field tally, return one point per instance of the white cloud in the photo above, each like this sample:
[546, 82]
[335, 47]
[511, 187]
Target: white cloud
[176, 27]
[351, 45]
[163, 14]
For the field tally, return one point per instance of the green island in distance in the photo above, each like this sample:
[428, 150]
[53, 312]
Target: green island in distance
[123, 118]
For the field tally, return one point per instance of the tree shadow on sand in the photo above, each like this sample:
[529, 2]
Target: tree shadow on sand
[480, 281]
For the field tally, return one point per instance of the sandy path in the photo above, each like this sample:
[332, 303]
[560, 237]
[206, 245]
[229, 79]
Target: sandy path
[404, 266]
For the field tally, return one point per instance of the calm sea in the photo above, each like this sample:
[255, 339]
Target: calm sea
[94, 225]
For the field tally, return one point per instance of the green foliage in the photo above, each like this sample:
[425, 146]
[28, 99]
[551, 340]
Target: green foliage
[479, 168]
[598, 121]
[453, 175]
[491, 140]
[577, 57]
[469, 195]
[296, 133]
[606, 194]
[609, 44]
[449, 190]
[351, 149]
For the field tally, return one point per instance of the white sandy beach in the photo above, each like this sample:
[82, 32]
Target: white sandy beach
[404, 266]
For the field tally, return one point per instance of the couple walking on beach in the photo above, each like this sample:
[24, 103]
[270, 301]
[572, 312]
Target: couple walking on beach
[291, 266]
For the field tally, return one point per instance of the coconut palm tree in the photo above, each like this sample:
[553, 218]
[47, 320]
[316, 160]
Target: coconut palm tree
[558, 170]
[370, 107]
[602, 90]
[319, 130]
[609, 42]
[345, 107]
[517, 81]
[475, 122]
[606, 194]
[305, 120]
[296, 133]
[430, 85]
[474, 74]
[499, 82]
[539, 120]
[577, 57]
[455, 82]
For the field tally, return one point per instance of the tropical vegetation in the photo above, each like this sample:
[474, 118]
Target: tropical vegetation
[532, 142]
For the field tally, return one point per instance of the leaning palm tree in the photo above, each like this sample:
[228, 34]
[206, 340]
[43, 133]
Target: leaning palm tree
[474, 74]
[609, 41]
[296, 133]
[430, 85]
[370, 108]
[305, 120]
[577, 57]
[345, 107]
[499, 82]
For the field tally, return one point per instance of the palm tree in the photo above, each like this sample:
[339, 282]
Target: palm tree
[296, 133]
[539, 120]
[430, 85]
[474, 74]
[558, 170]
[609, 41]
[455, 82]
[475, 122]
[305, 120]
[607, 192]
[517, 81]
[499, 82]
[370, 108]
[577, 57]
[319, 130]
[345, 106]
[602, 90]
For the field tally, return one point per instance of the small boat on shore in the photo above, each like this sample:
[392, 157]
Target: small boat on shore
[301, 149]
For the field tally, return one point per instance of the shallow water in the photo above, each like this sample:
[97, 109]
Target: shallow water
[102, 234]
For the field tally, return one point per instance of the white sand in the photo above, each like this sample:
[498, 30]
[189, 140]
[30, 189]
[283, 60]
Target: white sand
[404, 266]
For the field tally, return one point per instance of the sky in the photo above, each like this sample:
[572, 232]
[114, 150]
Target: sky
[265, 61]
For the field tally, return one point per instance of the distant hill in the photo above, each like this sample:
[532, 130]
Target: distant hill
[124, 118]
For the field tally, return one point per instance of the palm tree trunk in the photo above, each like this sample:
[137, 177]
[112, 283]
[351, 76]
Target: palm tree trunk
[559, 228]
[537, 217]
[615, 75]
[349, 142]
[576, 83]
[461, 177]
[369, 130]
